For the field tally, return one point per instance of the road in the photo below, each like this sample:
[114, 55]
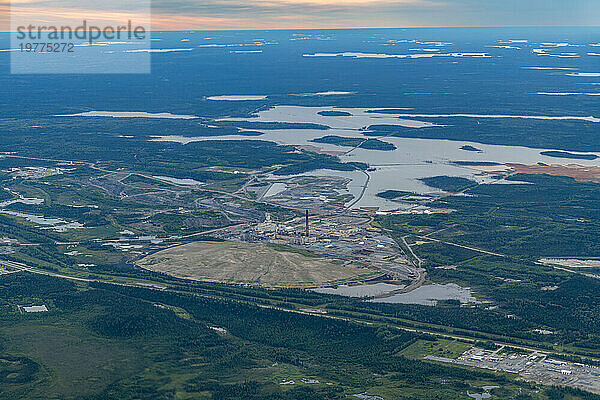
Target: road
[464, 247]
[362, 193]
[416, 283]
[204, 233]
[419, 261]
[317, 313]
[106, 171]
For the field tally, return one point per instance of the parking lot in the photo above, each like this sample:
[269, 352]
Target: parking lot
[533, 366]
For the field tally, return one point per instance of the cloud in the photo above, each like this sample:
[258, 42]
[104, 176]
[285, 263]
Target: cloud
[191, 14]
[72, 13]
[229, 14]
[273, 14]
[16, 2]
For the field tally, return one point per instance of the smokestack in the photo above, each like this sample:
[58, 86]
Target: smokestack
[306, 224]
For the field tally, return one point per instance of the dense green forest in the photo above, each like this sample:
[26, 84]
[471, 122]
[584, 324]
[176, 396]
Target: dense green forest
[537, 216]
[543, 216]
[138, 152]
[105, 341]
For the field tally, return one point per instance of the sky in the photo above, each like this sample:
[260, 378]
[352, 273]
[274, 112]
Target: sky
[322, 14]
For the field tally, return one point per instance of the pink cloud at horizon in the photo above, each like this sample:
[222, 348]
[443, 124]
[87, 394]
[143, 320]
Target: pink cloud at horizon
[299, 14]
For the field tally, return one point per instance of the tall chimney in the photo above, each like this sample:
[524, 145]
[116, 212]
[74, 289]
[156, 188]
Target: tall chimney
[306, 224]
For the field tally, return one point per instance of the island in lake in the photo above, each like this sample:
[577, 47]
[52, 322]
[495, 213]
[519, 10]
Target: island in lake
[393, 194]
[476, 163]
[334, 114]
[369, 144]
[566, 154]
[451, 184]
[471, 148]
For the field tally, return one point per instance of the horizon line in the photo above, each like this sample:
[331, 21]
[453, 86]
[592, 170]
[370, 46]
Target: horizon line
[368, 28]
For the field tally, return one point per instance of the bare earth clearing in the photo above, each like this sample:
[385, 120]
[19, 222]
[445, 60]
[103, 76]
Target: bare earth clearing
[579, 172]
[256, 264]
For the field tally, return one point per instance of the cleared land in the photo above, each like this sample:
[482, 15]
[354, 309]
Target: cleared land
[579, 172]
[246, 263]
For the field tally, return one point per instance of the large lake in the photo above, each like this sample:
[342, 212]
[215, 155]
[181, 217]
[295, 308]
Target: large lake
[429, 295]
[399, 169]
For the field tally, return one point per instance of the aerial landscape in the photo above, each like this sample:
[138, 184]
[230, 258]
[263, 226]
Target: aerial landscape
[293, 213]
